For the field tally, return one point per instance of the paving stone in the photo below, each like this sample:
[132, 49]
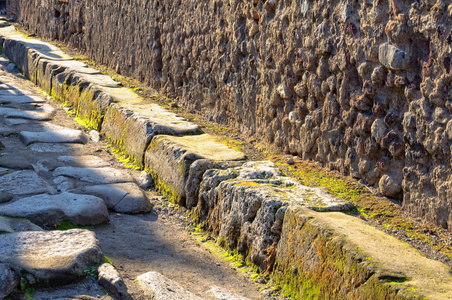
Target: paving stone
[9, 280]
[15, 225]
[51, 257]
[56, 136]
[94, 175]
[23, 183]
[158, 287]
[43, 113]
[169, 159]
[89, 161]
[112, 281]
[15, 122]
[15, 161]
[45, 210]
[65, 184]
[120, 197]
[18, 99]
[52, 148]
[6, 131]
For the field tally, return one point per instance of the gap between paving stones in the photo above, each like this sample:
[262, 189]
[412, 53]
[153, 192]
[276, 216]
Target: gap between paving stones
[136, 130]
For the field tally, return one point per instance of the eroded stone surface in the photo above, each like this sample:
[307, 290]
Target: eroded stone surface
[157, 286]
[51, 257]
[42, 113]
[23, 183]
[246, 206]
[45, 210]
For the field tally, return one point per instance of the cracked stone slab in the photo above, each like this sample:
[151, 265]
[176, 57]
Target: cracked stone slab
[45, 209]
[23, 183]
[51, 257]
[55, 136]
[156, 286]
[169, 158]
[103, 175]
[42, 113]
[89, 161]
[10, 225]
[120, 197]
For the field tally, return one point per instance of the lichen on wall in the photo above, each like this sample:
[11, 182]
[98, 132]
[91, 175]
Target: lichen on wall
[361, 86]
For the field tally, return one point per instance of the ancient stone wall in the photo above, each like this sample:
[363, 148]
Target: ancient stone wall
[361, 86]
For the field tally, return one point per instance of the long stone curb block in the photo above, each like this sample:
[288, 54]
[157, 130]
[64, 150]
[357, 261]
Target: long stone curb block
[17, 53]
[168, 160]
[336, 256]
[33, 58]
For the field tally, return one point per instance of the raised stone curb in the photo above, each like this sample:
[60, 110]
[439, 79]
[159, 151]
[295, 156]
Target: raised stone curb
[342, 257]
[168, 159]
[51, 257]
[158, 287]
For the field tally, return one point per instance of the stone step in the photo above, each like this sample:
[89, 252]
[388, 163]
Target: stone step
[168, 159]
[51, 257]
[158, 287]
[48, 210]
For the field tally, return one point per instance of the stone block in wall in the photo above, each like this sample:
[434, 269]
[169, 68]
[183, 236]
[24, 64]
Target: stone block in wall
[168, 159]
[337, 256]
[132, 132]
[392, 57]
[245, 205]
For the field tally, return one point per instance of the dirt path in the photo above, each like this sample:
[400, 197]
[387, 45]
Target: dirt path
[158, 242]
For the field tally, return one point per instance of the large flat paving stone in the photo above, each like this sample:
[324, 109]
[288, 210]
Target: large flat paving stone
[51, 257]
[53, 136]
[94, 175]
[120, 197]
[89, 161]
[23, 183]
[52, 147]
[158, 287]
[20, 99]
[41, 113]
[168, 158]
[45, 210]
[130, 124]
[10, 225]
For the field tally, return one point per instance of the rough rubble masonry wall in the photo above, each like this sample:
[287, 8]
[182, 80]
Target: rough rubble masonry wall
[360, 86]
